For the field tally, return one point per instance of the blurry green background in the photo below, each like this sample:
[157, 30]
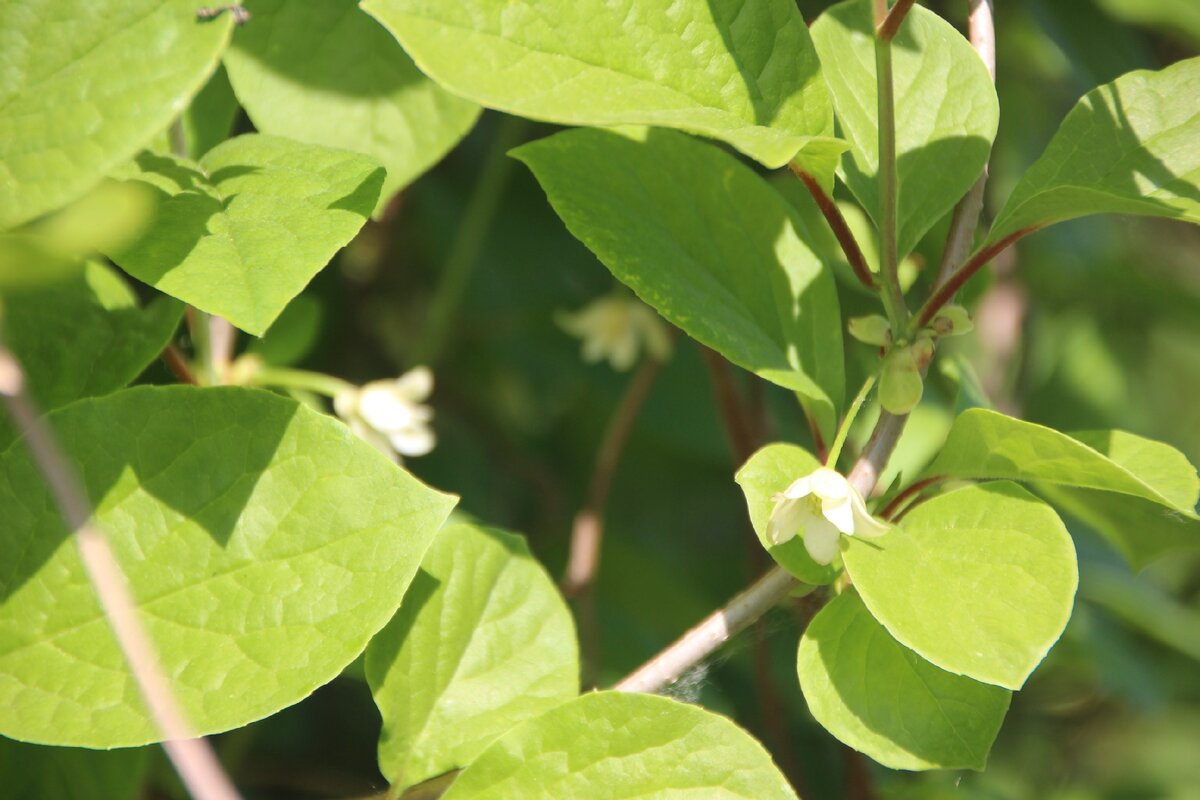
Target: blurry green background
[1091, 324]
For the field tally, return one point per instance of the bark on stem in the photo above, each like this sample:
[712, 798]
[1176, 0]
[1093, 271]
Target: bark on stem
[193, 759]
[742, 611]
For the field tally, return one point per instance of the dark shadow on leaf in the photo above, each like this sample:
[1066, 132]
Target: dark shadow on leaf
[362, 200]
[233, 171]
[333, 46]
[198, 460]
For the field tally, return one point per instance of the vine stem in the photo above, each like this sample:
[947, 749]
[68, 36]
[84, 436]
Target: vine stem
[891, 294]
[945, 293]
[761, 596]
[841, 230]
[288, 378]
[192, 758]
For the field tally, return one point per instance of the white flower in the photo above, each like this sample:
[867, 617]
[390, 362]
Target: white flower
[617, 327]
[389, 414]
[823, 505]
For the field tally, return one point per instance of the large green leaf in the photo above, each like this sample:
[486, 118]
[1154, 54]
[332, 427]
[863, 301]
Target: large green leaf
[1140, 493]
[1128, 147]
[880, 698]
[483, 642]
[609, 746]
[32, 772]
[705, 241]
[767, 473]
[243, 231]
[85, 84]
[745, 73]
[83, 336]
[263, 542]
[326, 73]
[980, 581]
[946, 111]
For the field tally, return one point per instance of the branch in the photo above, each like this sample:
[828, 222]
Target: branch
[961, 237]
[193, 759]
[744, 609]
[588, 529]
[178, 365]
[837, 223]
[945, 293]
[889, 185]
[733, 413]
[887, 29]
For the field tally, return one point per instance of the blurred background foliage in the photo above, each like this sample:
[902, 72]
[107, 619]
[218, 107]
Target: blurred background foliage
[1091, 324]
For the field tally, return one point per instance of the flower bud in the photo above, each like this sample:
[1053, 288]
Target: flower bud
[952, 320]
[922, 349]
[900, 384]
[871, 329]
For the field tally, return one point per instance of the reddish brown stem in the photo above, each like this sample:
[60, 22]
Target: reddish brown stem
[733, 412]
[899, 500]
[891, 24]
[945, 293]
[837, 223]
[178, 365]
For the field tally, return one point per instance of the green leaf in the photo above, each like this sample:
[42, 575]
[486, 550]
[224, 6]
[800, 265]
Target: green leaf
[86, 84]
[979, 581]
[744, 73]
[84, 336]
[1128, 147]
[63, 773]
[326, 73]
[768, 472]
[263, 542]
[701, 238]
[880, 698]
[610, 745]
[243, 231]
[209, 119]
[483, 642]
[946, 111]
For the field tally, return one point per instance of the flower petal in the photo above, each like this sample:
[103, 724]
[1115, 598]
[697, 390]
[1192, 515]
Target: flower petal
[821, 540]
[830, 485]
[841, 513]
[801, 487]
[414, 385]
[415, 441]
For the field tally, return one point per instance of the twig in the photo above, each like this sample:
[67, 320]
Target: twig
[587, 531]
[945, 293]
[841, 230]
[889, 511]
[961, 237]
[744, 609]
[222, 337]
[738, 429]
[887, 29]
[193, 759]
[178, 365]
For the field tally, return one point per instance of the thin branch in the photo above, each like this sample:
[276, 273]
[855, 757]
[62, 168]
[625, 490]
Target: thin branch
[982, 32]
[945, 293]
[744, 609]
[887, 29]
[587, 532]
[222, 337]
[193, 758]
[738, 428]
[178, 365]
[841, 230]
[889, 511]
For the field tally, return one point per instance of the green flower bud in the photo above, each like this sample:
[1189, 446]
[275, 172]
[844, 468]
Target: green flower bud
[900, 384]
[922, 349]
[872, 329]
[952, 321]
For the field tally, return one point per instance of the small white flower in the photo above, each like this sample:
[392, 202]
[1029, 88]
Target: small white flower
[823, 505]
[389, 414]
[617, 327]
